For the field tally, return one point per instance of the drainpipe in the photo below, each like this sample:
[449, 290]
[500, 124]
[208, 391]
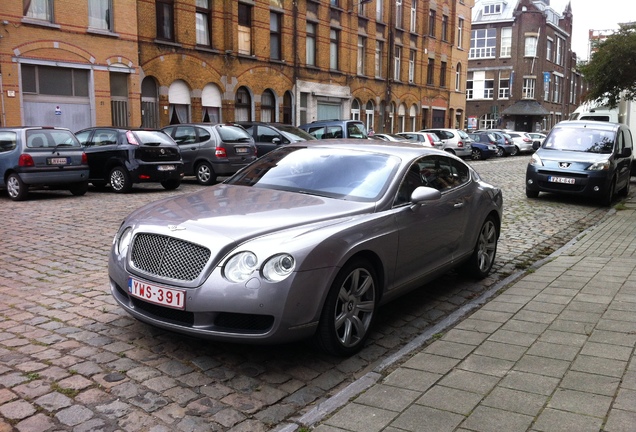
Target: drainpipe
[296, 65]
[4, 118]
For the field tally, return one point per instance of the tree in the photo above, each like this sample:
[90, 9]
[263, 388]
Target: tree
[611, 71]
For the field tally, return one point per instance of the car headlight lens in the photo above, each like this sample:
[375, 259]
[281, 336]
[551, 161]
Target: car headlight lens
[536, 160]
[599, 166]
[122, 240]
[278, 267]
[240, 267]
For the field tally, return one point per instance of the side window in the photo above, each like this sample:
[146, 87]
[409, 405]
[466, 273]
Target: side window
[105, 137]
[317, 132]
[83, 137]
[36, 140]
[185, 135]
[266, 134]
[414, 178]
[334, 132]
[445, 173]
[8, 141]
[627, 136]
[204, 135]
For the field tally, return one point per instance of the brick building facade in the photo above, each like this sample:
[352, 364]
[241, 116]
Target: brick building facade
[522, 72]
[395, 64]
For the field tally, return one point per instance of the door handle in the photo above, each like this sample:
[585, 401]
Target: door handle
[458, 205]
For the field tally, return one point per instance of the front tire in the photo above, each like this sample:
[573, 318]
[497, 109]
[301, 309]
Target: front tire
[349, 310]
[500, 152]
[483, 257]
[120, 180]
[515, 151]
[17, 190]
[79, 189]
[205, 174]
[609, 195]
[477, 155]
[532, 193]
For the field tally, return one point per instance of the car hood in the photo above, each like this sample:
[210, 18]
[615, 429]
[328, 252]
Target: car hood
[571, 156]
[238, 213]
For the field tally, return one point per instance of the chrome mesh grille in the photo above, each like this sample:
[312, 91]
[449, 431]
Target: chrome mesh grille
[168, 257]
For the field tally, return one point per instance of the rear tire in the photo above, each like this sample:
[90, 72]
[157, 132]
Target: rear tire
[17, 190]
[171, 184]
[79, 189]
[483, 257]
[205, 174]
[515, 151]
[349, 310]
[120, 180]
[477, 154]
[500, 152]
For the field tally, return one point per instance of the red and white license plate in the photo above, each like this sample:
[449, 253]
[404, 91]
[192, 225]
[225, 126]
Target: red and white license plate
[565, 180]
[166, 167]
[58, 161]
[156, 294]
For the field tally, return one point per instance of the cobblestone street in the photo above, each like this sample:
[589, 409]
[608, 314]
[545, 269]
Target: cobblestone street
[72, 360]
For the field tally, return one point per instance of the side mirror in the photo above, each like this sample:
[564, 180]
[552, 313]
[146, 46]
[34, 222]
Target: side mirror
[627, 152]
[425, 193]
[276, 141]
[536, 145]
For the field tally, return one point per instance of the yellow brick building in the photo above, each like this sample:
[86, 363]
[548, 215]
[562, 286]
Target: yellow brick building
[395, 64]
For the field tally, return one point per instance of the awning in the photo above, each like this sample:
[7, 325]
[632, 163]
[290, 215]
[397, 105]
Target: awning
[526, 108]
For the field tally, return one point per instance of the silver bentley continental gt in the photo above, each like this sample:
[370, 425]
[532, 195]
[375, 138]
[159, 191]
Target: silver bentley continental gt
[306, 241]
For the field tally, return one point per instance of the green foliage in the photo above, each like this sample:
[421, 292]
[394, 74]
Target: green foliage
[611, 71]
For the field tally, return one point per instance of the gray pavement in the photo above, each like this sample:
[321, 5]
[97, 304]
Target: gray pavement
[551, 351]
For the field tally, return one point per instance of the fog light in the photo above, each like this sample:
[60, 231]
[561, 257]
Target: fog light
[530, 181]
[596, 188]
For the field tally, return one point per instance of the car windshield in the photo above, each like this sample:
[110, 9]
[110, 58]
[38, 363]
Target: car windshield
[153, 137]
[581, 140]
[334, 173]
[231, 133]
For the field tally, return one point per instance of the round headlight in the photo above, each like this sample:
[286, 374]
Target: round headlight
[278, 267]
[240, 267]
[124, 240]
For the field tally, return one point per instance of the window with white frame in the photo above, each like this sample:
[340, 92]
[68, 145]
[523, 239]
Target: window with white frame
[397, 62]
[557, 97]
[369, 115]
[492, 9]
[39, 9]
[268, 106]
[529, 84]
[506, 42]
[310, 44]
[530, 46]
[483, 43]
[399, 14]
[469, 86]
[334, 38]
[460, 33]
[412, 66]
[549, 47]
[379, 48]
[458, 77]
[379, 11]
[573, 85]
[100, 14]
[355, 110]
[362, 44]
[244, 29]
[413, 16]
[560, 43]
[480, 85]
[504, 85]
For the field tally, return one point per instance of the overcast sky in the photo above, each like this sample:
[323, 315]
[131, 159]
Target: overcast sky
[595, 15]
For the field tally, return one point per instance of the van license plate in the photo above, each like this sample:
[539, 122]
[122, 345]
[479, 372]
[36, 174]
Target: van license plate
[565, 180]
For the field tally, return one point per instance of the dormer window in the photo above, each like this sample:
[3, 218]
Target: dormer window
[493, 9]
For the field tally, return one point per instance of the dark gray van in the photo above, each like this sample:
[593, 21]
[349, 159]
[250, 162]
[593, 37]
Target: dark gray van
[327, 129]
[588, 158]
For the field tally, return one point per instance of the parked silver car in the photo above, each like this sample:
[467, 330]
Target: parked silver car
[306, 241]
[454, 141]
[211, 150]
[521, 140]
[41, 158]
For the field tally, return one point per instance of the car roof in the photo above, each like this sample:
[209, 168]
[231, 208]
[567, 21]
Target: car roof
[402, 149]
[599, 125]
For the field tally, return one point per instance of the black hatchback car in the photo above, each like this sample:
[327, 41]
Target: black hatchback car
[269, 136]
[122, 157]
[588, 158]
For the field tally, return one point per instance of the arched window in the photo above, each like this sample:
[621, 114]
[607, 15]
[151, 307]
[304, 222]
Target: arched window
[179, 100]
[370, 115]
[392, 117]
[268, 107]
[412, 115]
[382, 125]
[401, 117]
[288, 111]
[355, 110]
[243, 105]
[211, 103]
